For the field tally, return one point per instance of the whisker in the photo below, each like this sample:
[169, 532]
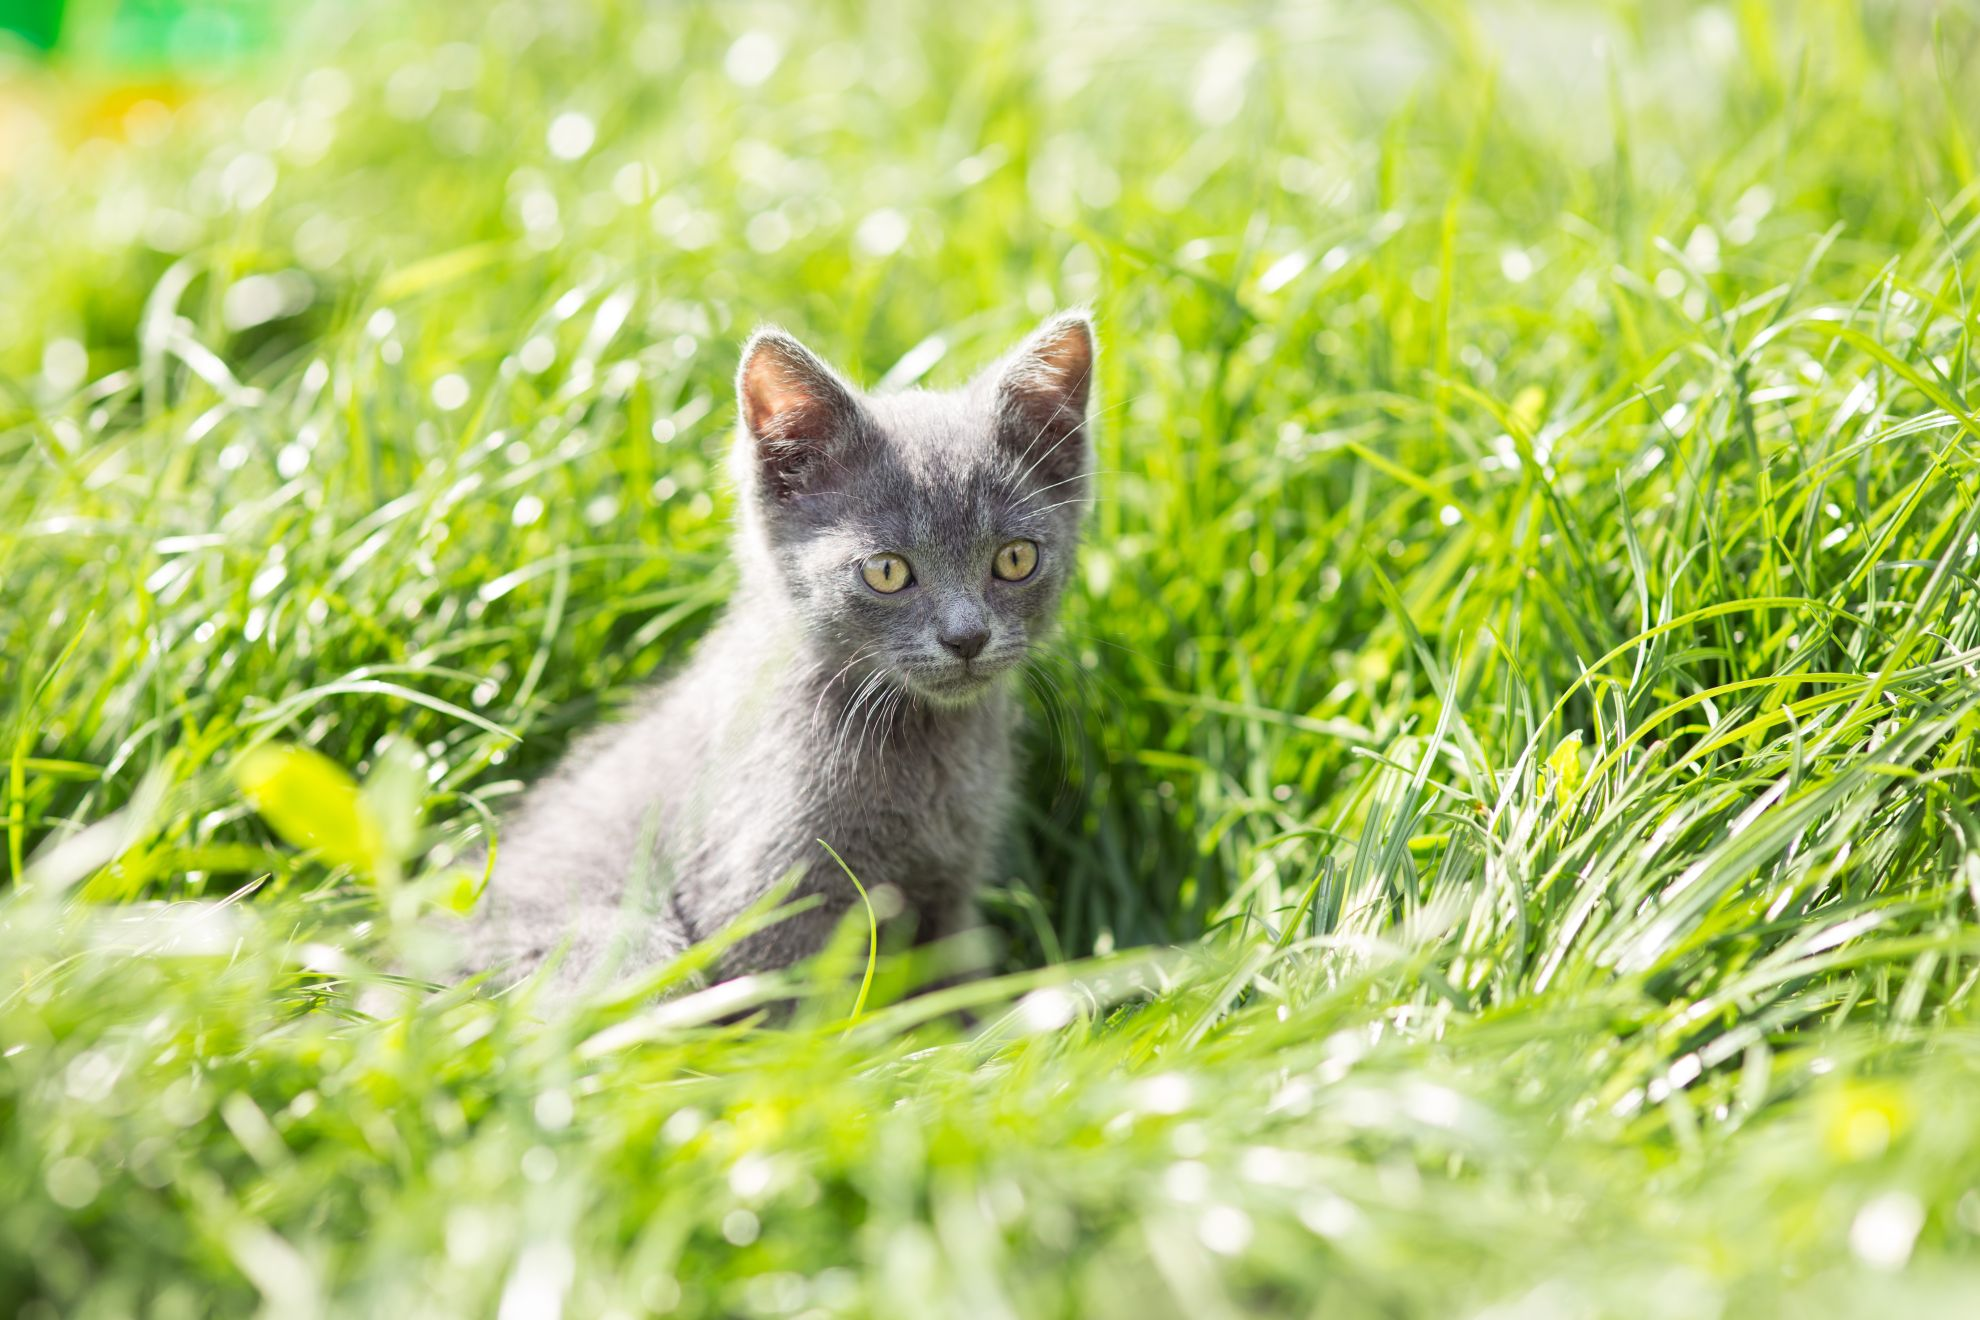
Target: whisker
[827, 688]
[866, 725]
[1063, 721]
[1039, 682]
[1118, 646]
[890, 717]
[1080, 476]
[1084, 422]
[1081, 499]
[867, 688]
[1093, 685]
[1046, 425]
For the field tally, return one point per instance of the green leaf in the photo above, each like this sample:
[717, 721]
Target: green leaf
[314, 804]
[1564, 763]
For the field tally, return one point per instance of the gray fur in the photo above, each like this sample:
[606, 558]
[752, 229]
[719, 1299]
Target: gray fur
[819, 708]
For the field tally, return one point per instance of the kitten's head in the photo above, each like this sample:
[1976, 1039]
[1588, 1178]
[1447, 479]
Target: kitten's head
[926, 535]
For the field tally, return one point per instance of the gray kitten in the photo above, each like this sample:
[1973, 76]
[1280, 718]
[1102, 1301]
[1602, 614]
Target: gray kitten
[901, 555]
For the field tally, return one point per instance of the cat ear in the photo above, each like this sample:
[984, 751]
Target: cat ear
[1041, 394]
[796, 410]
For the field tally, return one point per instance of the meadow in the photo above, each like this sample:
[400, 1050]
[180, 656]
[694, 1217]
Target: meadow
[1502, 832]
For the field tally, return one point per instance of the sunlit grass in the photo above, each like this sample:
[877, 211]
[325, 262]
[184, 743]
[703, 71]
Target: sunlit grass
[1502, 828]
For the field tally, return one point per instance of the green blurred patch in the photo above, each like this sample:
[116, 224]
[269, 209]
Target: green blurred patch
[147, 35]
[37, 22]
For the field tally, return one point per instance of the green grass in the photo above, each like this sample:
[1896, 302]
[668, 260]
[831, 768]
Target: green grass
[1504, 837]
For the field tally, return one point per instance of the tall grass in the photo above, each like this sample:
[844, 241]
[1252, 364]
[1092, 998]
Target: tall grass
[1502, 832]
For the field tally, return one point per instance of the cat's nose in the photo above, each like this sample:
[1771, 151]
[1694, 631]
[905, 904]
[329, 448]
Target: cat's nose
[966, 641]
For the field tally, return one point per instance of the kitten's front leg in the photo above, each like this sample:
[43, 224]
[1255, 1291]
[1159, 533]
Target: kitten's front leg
[790, 939]
[958, 945]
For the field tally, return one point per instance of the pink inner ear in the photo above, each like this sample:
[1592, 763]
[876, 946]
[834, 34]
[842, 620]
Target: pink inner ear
[796, 410]
[777, 400]
[1050, 379]
[1068, 355]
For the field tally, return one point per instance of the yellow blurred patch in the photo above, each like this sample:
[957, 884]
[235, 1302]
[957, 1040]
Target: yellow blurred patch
[1564, 764]
[1860, 1120]
[313, 803]
[1527, 407]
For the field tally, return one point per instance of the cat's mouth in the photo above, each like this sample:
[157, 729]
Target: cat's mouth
[954, 684]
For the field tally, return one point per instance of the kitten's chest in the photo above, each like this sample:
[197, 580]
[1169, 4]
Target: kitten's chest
[935, 792]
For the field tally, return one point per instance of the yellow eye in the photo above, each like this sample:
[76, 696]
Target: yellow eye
[885, 573]
[1016, 561]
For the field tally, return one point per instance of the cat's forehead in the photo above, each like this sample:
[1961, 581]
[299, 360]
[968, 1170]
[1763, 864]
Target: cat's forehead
[936, 442]
[932, 473]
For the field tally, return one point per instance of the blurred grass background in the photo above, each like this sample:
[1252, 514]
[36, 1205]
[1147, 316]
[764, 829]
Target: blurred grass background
[1523, 678]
